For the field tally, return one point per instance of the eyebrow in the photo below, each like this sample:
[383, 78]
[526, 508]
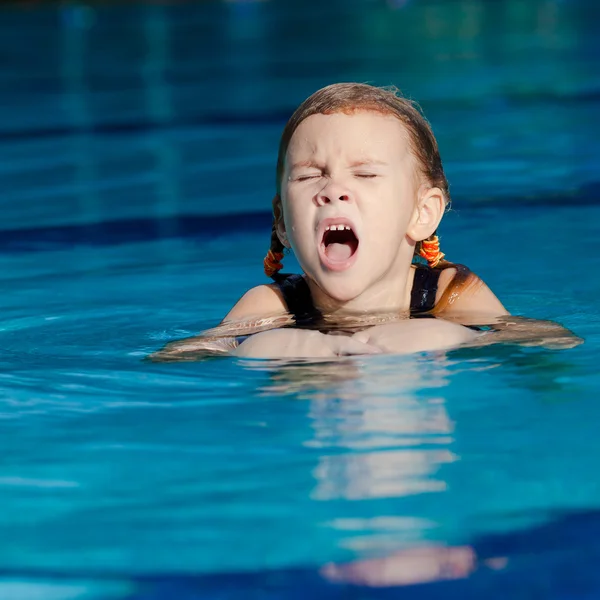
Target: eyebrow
[305, 163]
[367, 162]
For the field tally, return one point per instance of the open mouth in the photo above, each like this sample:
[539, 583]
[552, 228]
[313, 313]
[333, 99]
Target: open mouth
[338, 245]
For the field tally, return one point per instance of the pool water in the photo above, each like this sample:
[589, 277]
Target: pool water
[470, 474]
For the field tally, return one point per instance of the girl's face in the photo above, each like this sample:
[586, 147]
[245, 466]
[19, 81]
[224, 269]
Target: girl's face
[349, 197]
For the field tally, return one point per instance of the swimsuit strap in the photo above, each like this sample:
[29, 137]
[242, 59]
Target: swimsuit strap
[296, 294]
[424, 289]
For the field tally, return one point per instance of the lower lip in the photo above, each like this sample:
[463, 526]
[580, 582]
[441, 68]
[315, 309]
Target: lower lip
[336, 265]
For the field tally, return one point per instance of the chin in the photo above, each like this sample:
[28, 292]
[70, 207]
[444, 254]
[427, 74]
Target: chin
[341, 288]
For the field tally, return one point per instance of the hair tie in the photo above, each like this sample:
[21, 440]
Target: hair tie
[272, 263]
[430, 251]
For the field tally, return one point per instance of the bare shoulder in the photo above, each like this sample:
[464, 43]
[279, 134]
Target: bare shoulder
[259, 301]
[462, 293]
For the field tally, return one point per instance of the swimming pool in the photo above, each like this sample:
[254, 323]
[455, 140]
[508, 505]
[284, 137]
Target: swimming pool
[472, 474]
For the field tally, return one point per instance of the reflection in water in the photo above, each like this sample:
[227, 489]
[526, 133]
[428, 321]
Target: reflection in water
[382, 432]
[389, 430]
[426, 564]
[420, 565]
[158, 100]
[378, 434]
[379, 474]
[382, 406]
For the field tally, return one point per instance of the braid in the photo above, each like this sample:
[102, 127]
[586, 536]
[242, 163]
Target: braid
[429, 249]
[272, 262]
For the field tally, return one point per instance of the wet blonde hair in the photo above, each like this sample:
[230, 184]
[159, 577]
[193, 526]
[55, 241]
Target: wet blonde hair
[348, 98]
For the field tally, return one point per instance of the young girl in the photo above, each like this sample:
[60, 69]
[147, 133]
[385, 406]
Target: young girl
[360, 192]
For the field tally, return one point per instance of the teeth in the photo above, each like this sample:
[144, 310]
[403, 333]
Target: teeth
[337, 228]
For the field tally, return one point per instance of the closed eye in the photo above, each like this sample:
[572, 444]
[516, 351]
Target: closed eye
[307, 177]
[366, 175]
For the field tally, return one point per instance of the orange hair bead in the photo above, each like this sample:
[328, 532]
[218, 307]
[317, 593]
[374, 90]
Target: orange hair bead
[430, 251]
[272, 263]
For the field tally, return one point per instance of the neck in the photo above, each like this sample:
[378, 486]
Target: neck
[384, 296]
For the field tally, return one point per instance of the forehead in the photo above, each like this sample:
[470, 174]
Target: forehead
[366, 133]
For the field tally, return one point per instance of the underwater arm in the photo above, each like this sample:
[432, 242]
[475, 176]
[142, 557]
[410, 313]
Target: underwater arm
[194, 348]
[258, 309]
[530, 332]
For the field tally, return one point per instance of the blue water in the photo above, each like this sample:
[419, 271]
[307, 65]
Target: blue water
[135, 198]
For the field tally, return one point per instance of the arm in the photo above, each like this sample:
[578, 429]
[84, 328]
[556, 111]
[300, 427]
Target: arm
[416, 335]
[194, 348]
[531, 332]
[301, 343]
[464, 298]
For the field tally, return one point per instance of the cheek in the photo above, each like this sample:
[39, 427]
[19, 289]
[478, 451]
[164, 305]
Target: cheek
[296, 210]
[391, 214]
[298, 220]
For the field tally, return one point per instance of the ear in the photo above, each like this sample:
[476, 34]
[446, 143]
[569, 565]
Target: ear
[278, 221]
[428, 213]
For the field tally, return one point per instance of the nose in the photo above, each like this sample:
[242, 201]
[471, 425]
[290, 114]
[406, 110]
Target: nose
[333, 192]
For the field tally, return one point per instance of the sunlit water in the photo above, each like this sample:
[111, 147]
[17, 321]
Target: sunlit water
[117, 469]
[468, 474]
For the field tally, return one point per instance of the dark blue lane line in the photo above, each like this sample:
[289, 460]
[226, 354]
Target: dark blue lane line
[147, 126]
[125, 231]
[275, 117]
[205, 227]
